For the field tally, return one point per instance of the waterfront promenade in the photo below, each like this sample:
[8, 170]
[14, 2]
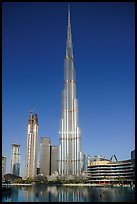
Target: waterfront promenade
[17, 184]
[72, 184]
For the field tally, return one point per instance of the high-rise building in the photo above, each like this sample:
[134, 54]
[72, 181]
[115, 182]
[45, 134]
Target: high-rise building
[86, 161]
[133, 155]
[70, 134]
[15, 160]
[133, 160]
[3, 165]
[32, 146]
[54, 159]
[45, 156]
[38, 168]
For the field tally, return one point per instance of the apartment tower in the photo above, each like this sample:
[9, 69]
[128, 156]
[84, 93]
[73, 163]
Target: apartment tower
[32, 146]
[15, 160]
[45, 156]
[54, 159]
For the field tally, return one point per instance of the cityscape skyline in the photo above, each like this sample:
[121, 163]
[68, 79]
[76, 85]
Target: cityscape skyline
[104, 66]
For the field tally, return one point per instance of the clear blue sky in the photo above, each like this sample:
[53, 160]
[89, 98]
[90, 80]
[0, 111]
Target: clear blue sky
[33, 50]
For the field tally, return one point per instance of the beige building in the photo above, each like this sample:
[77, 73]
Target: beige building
[32, 146]
[107, 171]
[3, 165]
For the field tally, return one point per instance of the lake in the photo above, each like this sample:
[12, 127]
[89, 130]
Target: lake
[59, 193]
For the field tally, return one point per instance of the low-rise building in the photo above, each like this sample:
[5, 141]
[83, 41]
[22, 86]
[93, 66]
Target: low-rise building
[108, 171]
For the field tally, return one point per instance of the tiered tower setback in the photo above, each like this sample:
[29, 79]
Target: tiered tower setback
[70, 133]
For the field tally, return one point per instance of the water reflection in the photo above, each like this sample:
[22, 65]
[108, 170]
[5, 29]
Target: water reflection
[7, 196]
[44, 193]
[11, 196]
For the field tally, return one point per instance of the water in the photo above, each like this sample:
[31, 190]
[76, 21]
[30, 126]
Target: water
[43, 193]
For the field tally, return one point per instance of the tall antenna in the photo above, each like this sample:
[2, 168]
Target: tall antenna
[30, 113]
[33, 109]
[68, 14]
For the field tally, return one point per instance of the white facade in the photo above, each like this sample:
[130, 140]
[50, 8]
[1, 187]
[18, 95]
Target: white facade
[69, 160]
[32, 147]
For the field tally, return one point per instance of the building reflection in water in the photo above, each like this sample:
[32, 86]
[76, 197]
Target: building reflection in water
[6, 196]
[28, 194]
[11, 196]
[44, 193]
[72, 194]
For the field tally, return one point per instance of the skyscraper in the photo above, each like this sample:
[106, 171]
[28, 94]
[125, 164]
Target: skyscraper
[54, 158]
[32, 146]
[45, 156]
[86, 161]
[15, 160]
[3, 165]
[70, 133]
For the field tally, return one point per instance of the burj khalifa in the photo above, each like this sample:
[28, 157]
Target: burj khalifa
[70, 155]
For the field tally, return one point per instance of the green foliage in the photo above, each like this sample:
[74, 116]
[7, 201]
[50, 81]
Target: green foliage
[64, 181]
[40, 179]
[29, 180]
[43, 179]
[23, 181]
[17, 180]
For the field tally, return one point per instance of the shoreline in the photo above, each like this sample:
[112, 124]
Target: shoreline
[100, 185]
[63, 184]
[17, 184]
[70, 184]
[83, 184]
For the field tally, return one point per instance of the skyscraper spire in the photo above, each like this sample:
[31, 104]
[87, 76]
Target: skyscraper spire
[70, 133]
[69, 49]
[68, 15]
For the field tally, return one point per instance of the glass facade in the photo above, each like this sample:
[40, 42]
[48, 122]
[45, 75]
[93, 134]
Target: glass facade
[69, 160]
[15, 160]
